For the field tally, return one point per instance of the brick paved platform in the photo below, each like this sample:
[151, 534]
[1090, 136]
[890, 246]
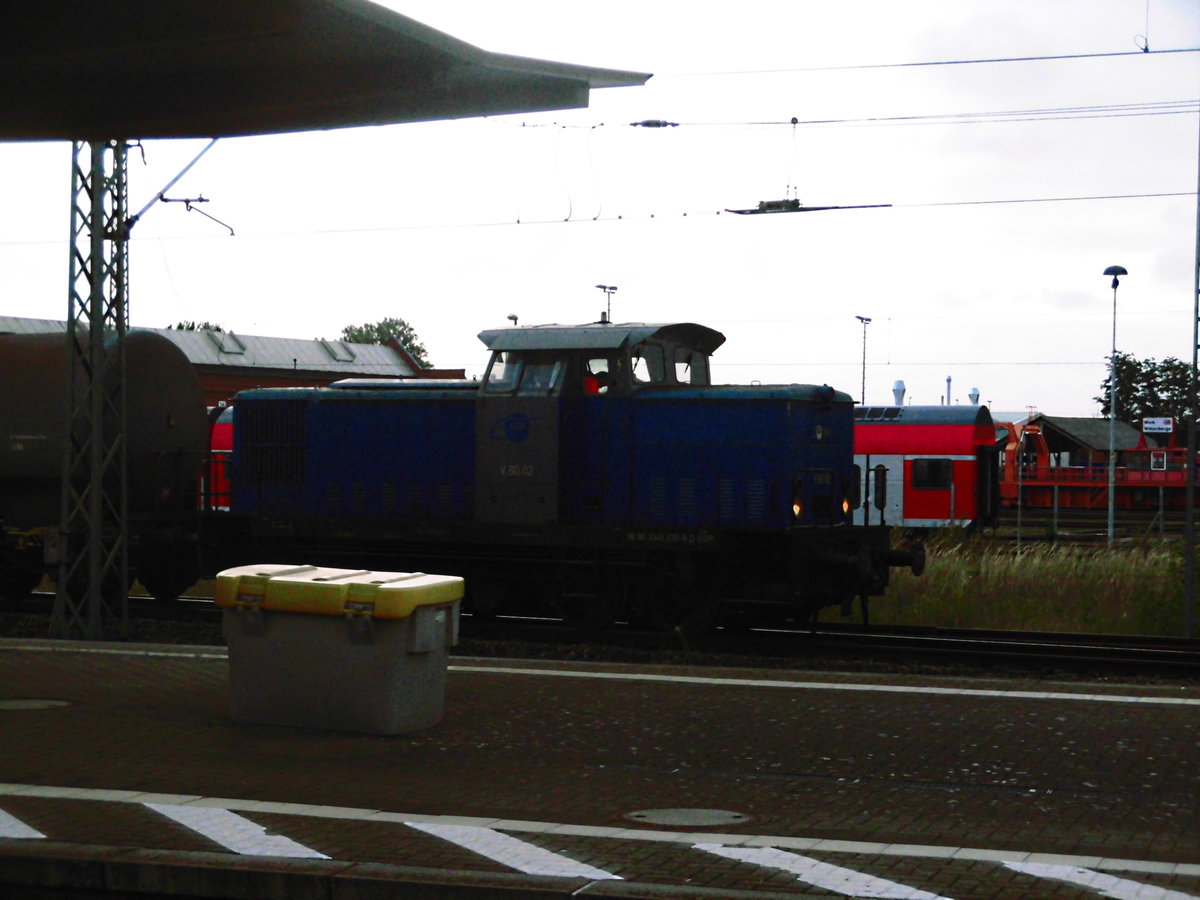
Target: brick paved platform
[121, 771]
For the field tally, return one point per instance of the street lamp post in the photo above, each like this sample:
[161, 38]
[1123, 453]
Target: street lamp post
[865, 322]
[1115, 272]
[609, 290]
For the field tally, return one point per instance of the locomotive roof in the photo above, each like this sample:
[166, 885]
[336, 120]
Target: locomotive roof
[598, 336]
[924, 415]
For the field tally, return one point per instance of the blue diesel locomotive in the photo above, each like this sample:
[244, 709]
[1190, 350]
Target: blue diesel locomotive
[595, 473]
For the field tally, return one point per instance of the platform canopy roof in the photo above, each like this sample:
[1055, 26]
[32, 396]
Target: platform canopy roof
[126, 69]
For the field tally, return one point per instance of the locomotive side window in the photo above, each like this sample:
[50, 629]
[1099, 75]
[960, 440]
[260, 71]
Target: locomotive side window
[597, 375]
[933, 474]
[649, 367]
[690, 367]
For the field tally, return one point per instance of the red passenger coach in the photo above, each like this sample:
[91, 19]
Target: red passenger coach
[927, 466]
[214, 480]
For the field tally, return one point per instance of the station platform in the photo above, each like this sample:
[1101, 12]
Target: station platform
[122, 774]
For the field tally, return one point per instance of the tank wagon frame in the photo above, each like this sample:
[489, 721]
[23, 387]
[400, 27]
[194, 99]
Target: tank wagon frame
[593, 473]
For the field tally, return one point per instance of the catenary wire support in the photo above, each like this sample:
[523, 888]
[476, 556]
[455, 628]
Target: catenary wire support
[1189, 611]
[91, 599]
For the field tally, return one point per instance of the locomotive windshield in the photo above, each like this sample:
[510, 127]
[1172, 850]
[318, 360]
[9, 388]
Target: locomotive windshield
[523, 372]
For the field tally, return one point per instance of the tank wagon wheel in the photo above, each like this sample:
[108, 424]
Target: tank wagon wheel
[110, 590]
[16, 585]
[169, 570]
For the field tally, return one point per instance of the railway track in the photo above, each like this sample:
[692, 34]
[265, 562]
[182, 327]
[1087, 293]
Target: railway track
[831, 646]
[873, 649]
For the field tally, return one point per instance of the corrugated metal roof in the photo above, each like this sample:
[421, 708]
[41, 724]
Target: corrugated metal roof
[14, 325]
[1091, 433]
[240, 351]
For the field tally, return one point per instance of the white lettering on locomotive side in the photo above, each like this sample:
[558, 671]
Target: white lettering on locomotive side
[516, 470]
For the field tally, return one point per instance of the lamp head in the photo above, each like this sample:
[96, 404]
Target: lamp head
[1115, 271]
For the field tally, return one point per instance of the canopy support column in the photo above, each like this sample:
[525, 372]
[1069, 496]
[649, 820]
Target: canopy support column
[93, 564]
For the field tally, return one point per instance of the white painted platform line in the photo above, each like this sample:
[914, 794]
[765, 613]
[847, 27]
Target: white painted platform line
[234, 832]
[12, 827]
[509, 851]
[1104, 885]
[819, 874]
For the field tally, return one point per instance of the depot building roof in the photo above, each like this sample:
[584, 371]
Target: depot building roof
[212, 349]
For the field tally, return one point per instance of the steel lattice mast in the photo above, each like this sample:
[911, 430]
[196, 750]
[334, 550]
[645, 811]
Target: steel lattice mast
[93, 565]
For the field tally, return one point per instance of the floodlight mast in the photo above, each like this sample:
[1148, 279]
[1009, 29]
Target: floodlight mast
[865, 322]
[1115, 272]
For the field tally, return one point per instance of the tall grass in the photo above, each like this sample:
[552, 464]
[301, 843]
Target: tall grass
[976, 584]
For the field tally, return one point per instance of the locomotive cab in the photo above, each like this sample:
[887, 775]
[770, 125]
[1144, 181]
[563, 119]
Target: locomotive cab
[544, 450]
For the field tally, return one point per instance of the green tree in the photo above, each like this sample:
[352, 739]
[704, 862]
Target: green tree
[189, 325]
[1148, 388]
[385, 330]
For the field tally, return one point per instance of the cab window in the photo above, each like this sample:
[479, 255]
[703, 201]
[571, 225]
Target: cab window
[539, 376]
[504, 372]
[526, 373]
[690, 367]
[649, 366]
[597, 375]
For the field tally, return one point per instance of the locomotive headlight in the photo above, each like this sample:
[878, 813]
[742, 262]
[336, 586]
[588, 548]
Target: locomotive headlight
[797, 507]
[846, 506]
[820, 432]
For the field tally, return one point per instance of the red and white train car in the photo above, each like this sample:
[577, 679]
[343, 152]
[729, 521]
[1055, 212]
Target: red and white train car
[927, 466]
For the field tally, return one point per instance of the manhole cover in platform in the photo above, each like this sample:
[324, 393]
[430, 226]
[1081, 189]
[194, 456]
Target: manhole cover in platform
[696, 818]
[32, 703]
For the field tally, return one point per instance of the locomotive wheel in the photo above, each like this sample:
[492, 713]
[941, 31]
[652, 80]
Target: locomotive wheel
[485, 598]
[685, 607]
[592, 609]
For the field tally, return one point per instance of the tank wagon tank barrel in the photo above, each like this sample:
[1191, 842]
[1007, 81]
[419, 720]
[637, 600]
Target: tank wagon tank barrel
[166, 438]
[594, 473]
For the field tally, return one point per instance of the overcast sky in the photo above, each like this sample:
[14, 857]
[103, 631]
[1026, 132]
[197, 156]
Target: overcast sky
[984, 270]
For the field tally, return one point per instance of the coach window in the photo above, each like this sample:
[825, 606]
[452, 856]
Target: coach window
[649, 366]
[933, 474]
